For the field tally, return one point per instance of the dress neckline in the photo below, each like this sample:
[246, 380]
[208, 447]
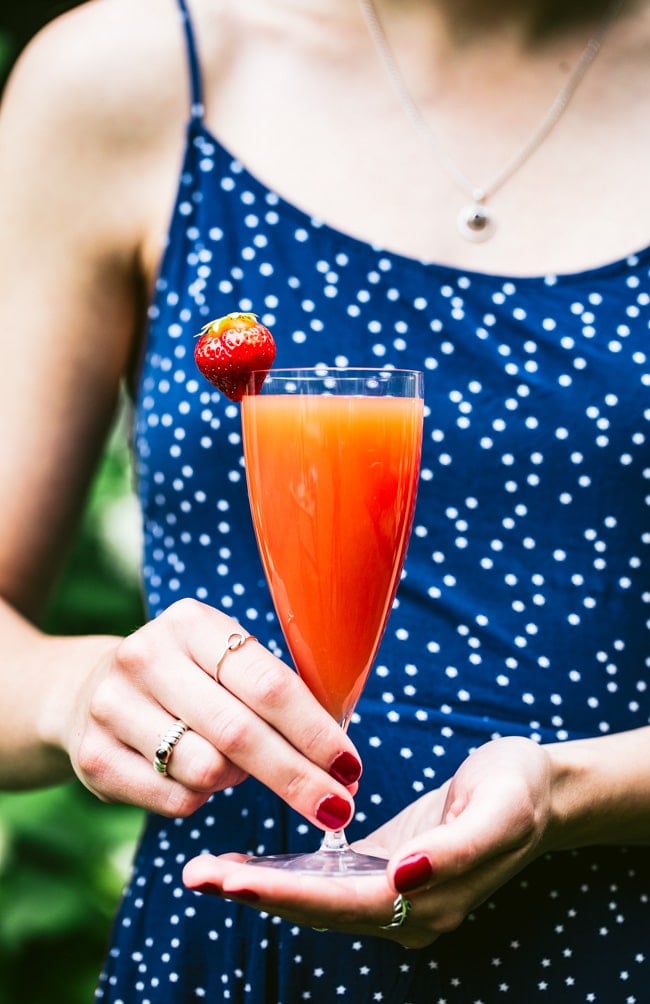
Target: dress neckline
[340, 237]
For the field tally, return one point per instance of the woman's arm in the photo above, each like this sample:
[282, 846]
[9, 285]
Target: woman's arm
[91, 136]
[69, 311]
[601, 790]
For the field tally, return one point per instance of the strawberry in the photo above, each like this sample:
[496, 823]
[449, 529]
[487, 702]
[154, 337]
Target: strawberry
[230, 348]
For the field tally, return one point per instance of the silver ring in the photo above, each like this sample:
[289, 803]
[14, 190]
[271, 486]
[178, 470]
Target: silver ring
[235, 641]
[165, 748]
[401, 909]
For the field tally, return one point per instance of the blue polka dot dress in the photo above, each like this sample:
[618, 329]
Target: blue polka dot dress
[524, 609]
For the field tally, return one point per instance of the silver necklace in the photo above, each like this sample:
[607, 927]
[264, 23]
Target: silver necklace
[476, 222]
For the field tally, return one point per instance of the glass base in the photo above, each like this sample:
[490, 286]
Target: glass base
[324, 862]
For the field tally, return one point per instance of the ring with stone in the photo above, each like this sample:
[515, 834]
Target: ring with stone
[165, 747]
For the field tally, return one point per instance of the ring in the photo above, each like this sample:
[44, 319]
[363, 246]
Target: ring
[235, 641]
[401, 909]
[165, 748]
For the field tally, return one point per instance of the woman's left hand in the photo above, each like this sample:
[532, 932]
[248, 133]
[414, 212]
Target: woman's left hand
[448, 852]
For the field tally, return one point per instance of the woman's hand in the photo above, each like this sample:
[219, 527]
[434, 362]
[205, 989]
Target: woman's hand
[259, 719]
[448, 852]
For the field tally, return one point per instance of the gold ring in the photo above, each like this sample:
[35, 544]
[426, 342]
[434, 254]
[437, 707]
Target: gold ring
[165, 748]
[401, 909]
[235, 641]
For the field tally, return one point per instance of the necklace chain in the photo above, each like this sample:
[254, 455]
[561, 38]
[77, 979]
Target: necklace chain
[476, 217]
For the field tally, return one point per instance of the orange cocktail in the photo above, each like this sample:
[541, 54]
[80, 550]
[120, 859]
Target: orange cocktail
[332, 464]
[332, 484]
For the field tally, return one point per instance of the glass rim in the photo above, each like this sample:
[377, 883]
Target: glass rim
[322, 370]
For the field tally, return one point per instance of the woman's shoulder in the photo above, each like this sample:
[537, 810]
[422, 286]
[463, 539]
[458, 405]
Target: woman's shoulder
[106, 64]
[93, 119]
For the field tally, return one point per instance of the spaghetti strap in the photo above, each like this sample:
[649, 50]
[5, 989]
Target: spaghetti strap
[193, 62]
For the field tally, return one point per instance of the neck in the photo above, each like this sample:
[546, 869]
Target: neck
[464, 22]
[476, 222]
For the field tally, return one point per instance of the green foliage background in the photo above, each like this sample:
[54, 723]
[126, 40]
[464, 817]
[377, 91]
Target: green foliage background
[64, 856]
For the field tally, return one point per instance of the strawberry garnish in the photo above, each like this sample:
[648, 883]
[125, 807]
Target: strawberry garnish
[230, 349]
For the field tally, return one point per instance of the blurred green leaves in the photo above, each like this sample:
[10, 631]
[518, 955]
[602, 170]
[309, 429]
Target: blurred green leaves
[64, 856]
[64, 860]
[6, 49]
[99, 591]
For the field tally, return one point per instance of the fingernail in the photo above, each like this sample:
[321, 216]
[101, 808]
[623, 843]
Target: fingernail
[207, 887]
[333, 812]
[244, 894]
[412, 872]
[346, 768]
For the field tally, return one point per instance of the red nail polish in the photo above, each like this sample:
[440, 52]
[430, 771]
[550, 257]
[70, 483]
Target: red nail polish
[246, 895]
[333, 812]
[346, 768]
[207, 887]
[412, 872]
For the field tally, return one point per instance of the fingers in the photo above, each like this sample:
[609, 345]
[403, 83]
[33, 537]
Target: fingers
[362, 906]
[125, 719]
[355, 905]
[274, 692]
[116, 773]
[259, 719]
[262, 718]
[497, 806]
[471, 837]
[454, 849]
[246, 739]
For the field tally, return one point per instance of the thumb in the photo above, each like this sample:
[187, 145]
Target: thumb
[472, 832]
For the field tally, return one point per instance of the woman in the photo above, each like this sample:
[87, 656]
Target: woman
[321, 182]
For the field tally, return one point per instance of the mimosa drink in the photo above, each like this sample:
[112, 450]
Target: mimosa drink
[332, 484]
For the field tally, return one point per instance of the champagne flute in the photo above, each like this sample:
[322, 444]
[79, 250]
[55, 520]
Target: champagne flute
[332, 464]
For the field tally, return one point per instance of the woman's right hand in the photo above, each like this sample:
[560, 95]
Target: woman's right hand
[259, 719]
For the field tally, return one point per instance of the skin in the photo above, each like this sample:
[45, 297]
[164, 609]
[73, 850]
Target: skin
[510, 802]
[91, 136]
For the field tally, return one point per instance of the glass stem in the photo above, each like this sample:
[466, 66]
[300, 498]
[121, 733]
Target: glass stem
[334, 842]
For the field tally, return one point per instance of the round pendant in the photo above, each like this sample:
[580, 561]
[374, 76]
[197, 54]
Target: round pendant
[476, 223]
